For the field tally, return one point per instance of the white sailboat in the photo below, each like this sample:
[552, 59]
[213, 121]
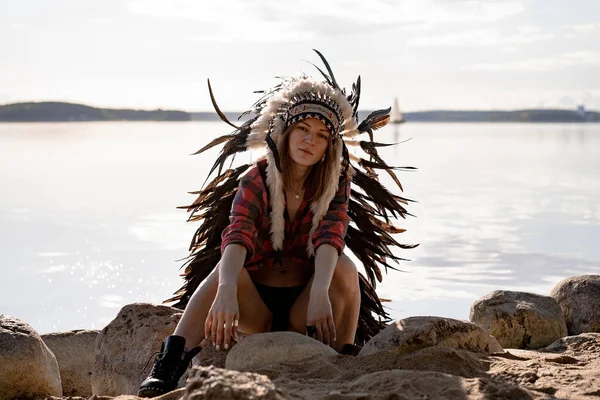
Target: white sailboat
[396, 116]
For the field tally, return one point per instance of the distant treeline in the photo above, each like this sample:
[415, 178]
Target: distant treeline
[65, 112]
[536, 115]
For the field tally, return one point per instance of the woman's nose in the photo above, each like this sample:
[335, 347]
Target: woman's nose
[309, 137]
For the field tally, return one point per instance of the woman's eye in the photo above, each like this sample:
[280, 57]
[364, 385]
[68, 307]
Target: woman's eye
[323, 136]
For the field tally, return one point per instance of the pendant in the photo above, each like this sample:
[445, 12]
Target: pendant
[297, 196]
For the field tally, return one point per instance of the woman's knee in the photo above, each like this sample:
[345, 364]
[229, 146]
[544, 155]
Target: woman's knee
[345, 276]
[208, 285]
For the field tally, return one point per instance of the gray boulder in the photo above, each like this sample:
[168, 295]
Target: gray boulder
[211, 383]
[415, 333]
[579, 300]
[211, 356]
[519, 320]
[74, 351]
[28, 369]
[261, 349]
[127, 343]
[588, 342]
[407, 385]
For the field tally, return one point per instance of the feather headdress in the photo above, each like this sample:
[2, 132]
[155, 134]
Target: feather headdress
[371, 206]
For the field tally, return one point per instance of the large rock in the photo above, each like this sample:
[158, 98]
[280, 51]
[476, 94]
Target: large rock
[28, 369]
[579, 300]
[74, 351]
[435, 359]
[589, 342]
[519, 320]
[262, 349]
[414, 333]
[211, 383]
[127, 343]
[408, 385]
[209, 355]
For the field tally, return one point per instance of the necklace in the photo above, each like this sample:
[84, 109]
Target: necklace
[296, 193]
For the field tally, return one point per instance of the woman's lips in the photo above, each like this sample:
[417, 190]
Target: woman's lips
[306, 151]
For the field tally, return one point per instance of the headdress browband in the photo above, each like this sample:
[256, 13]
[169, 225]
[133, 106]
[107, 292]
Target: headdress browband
[314, 105]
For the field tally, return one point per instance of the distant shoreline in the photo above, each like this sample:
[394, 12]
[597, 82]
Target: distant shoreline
[68, 112]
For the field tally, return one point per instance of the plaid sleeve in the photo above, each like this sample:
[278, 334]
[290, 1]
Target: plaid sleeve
[246, 212]
[333, 226]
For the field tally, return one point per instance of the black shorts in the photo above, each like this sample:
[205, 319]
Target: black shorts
[279, 300]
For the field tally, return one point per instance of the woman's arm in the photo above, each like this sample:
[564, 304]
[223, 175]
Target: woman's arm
[246, 211]
[231, 265]
[334, 224]
[325, 262]
[329, 244]
[237, 243]
[221, 322]
[319, 313]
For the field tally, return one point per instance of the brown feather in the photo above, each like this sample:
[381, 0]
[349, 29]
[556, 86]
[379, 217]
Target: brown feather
[395, 179]
[380, 122]
[213, 143]
[219, 112]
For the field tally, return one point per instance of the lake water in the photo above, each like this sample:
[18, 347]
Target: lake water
[88, 218]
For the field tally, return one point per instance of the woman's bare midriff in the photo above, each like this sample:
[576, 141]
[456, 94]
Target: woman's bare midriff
[291, 275]
[279, 276]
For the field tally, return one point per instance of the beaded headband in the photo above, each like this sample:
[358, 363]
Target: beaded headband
[314, 105]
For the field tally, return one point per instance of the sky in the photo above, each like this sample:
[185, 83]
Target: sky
[430, 54]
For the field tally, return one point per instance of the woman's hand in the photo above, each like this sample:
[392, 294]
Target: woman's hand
[320, 315]
[222, 320]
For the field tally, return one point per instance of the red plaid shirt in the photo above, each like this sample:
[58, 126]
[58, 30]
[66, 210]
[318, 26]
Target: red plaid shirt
[250, 224]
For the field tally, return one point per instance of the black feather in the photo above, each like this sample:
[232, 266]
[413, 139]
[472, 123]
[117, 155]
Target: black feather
[355, 97]
[327, 77]
[371, 209]
[333, 81]
[212, 208]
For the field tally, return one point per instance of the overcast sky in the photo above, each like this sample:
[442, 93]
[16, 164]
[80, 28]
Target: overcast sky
[431, 54]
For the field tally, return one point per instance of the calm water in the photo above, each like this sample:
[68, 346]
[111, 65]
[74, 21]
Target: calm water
[88, 218]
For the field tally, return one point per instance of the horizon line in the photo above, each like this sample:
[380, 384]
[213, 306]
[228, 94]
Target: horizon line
[235, 112]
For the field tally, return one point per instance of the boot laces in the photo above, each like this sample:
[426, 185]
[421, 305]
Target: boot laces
[155, 355]
[165, 368]
[162, 368]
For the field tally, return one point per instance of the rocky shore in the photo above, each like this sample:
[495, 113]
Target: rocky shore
[515, 346]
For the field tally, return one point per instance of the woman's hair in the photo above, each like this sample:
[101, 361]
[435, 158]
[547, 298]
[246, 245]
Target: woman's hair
[319, 173]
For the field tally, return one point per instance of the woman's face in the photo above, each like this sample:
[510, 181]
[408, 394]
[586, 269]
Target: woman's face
[308, 142]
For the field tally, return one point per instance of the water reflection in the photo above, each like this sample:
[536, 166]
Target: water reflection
[496, 213]
[88, 221]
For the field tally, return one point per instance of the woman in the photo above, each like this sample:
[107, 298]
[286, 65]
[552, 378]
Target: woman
[281, 264]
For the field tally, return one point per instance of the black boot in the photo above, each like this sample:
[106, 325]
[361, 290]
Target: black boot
[169, 365]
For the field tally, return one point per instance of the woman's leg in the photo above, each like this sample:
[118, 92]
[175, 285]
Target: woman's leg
[255, 317]
[171, 364]
[344, 294]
